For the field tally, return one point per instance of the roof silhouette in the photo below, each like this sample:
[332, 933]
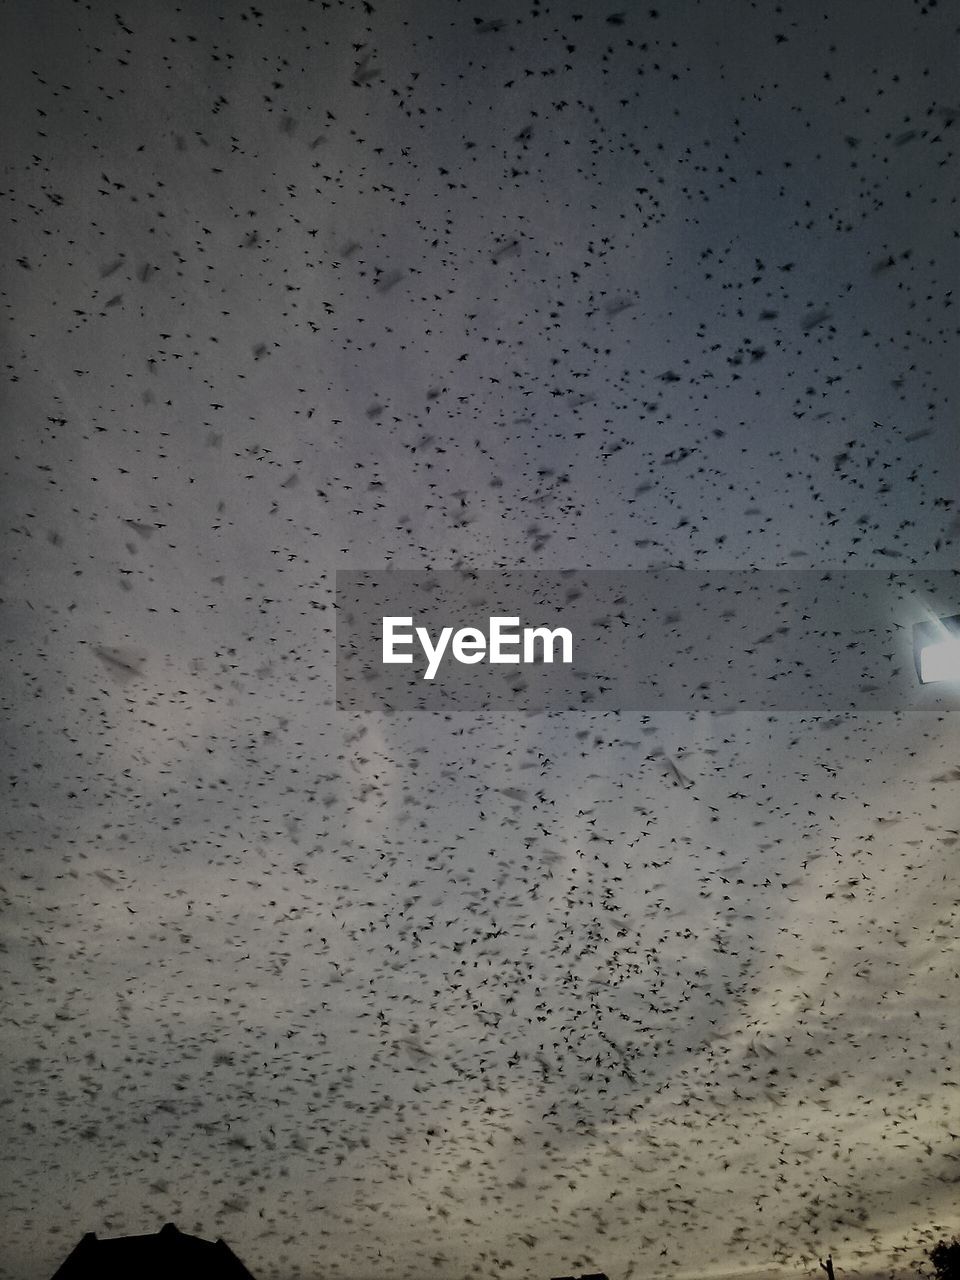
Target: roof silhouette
[587, 1275]
[167, 1253]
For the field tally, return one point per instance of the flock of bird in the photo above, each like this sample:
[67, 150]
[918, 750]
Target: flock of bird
[332, 284]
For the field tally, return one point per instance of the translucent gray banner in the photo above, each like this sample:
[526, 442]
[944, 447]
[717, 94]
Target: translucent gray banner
[646, 640]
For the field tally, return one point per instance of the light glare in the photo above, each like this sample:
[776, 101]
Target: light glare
[940, 661]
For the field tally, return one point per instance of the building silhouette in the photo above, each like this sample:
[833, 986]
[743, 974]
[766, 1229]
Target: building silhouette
[169, 1254]
[590, 1275]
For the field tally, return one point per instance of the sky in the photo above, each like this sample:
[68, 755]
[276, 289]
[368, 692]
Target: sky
[426, 285]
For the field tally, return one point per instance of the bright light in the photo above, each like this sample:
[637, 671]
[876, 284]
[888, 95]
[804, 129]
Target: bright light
[936, 649]
[940, 661]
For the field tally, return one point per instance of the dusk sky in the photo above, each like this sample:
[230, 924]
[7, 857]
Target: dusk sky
[423, 285]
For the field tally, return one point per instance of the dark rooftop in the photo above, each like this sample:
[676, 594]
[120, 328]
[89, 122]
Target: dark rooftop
[167, 1253]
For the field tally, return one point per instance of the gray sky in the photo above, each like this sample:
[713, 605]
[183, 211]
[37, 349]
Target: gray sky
[342, 285]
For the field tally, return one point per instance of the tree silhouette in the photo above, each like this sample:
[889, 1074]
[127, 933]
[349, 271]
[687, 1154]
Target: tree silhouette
[945, 1258]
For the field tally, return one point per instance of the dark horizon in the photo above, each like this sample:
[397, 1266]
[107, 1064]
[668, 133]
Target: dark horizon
[172, 1247]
